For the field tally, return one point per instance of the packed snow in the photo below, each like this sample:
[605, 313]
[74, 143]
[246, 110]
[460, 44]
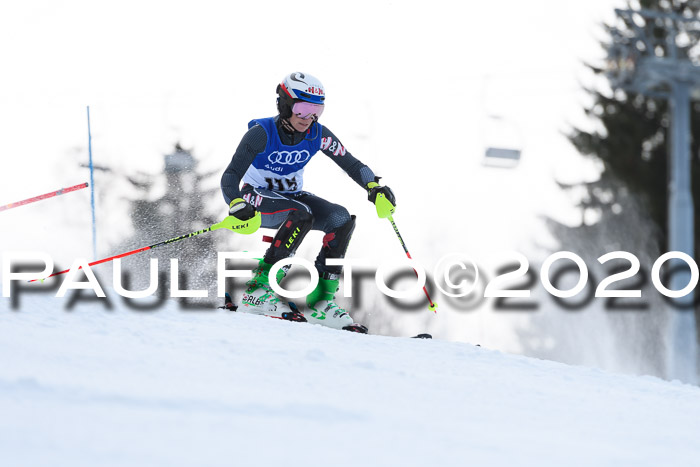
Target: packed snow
[89, 386]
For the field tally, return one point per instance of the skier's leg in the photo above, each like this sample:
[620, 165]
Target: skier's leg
[335, 245]
[338, 226]
[294, 221]
[289, 235]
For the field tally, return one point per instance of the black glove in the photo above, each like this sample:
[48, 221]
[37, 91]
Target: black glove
[241, 210]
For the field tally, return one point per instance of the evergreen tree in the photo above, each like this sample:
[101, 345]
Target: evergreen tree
[184, 206]
[633, 140]
[631, 196]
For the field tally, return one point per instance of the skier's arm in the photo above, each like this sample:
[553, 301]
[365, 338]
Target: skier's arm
[363, 175]
[333, 148]
[252, 143]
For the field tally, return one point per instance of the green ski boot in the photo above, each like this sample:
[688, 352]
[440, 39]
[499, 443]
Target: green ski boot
[259, 298]
[322, 308]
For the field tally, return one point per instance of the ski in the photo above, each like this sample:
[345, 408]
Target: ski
[423, 336]
[298, 317]
[295, 315]
[354, 327]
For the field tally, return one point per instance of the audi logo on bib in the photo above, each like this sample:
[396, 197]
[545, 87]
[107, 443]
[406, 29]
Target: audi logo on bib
[289, 157]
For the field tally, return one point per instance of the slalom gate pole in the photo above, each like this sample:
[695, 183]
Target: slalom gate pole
[92, 188]
[433, 306]
[62, 191]
[220, 225]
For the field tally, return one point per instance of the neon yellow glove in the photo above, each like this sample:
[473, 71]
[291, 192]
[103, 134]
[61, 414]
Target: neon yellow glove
[242, 218]
[383, 199]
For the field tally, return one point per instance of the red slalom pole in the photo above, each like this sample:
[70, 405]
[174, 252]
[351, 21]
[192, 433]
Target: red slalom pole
[62, 191]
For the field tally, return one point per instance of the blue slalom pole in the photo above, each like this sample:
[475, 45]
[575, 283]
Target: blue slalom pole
[92, 189]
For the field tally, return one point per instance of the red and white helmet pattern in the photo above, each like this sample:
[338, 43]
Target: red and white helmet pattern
[302, 86]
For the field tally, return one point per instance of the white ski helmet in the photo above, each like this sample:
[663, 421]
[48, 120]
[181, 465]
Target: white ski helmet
[298, 87]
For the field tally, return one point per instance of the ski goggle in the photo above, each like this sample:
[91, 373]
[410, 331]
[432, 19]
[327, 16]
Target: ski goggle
[306, 110]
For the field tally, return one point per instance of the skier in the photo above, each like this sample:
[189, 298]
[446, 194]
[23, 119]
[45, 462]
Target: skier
[270, 161]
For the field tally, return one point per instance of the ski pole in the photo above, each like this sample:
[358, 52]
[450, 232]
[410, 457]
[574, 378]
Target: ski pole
[385, 210]
[44, 196]
[432, 305]
[228, 223]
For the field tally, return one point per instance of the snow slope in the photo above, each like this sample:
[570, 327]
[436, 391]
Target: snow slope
[92, 387]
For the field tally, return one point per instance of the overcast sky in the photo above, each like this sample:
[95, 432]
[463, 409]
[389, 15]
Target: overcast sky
[412, 91]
